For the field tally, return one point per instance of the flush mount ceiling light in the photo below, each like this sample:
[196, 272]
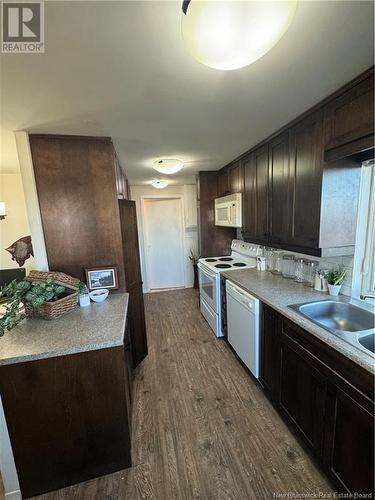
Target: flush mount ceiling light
[168, 165]
[159, 184]
[231, 34]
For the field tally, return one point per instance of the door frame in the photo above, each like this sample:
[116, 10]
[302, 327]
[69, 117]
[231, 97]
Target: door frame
[145, 239]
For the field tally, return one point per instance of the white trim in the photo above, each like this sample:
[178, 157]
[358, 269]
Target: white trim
[146, 283]
[31, 200]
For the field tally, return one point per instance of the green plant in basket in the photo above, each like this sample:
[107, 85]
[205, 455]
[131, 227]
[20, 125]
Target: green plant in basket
[34, 293]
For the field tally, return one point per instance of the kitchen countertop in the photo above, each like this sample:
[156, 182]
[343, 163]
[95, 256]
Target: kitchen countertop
[279, 293]
[98, 326]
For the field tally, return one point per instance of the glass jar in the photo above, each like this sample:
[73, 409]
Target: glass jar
[268, 254]
[311, 266]
[299, 268]
[277, 262]
[288, 266]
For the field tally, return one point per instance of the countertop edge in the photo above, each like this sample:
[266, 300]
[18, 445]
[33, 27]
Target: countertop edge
[75, 349]
[61, 352]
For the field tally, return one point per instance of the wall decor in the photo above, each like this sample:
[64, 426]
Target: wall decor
[102, 277]
[21, 250]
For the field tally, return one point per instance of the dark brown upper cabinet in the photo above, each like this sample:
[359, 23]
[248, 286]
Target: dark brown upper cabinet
[306, 166]
[223, 187]
[280, 183]
[212, 239]
[349, 119]
[255, 196]
[235, 178]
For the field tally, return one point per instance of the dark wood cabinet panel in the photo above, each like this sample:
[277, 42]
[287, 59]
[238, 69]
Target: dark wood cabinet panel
[67, 418]
[302, 393]
[270, 352]
[350, 116]
[137, 325]
[306, 164]
[280, 196]
[349, 443]
[235, 178]
[136, 316]
[223, 187]
[76, 185]
[213, 240]
[255, 199]
[325, 396]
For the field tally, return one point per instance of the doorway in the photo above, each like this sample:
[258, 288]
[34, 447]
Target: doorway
[163, 227]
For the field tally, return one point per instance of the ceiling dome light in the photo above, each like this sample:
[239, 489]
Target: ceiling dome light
[168, 165]
[159, 184]
[231, 34]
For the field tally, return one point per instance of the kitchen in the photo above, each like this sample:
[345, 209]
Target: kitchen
[260, 381]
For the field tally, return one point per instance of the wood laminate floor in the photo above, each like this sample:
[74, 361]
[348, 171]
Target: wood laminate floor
[202, 428]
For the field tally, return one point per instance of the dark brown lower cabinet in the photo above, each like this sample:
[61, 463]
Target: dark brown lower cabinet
[349, 442]
[327, 399]
[68, 418]
[270, 352]
[302, 393]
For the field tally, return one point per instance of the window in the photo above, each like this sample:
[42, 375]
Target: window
[364, 266]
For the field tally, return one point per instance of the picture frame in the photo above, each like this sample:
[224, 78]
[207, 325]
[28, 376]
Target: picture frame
[102, 277]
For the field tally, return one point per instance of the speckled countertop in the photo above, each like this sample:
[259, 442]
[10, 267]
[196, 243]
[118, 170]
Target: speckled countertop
[279, 293]
[97, 326]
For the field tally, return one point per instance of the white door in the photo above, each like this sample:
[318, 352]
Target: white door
[165, 254]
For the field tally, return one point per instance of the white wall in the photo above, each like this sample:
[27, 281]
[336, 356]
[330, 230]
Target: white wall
[16, 224]
[188, 195]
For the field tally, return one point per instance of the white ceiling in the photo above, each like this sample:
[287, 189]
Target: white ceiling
[120, 69]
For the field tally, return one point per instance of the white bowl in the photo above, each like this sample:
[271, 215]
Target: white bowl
[99, 295]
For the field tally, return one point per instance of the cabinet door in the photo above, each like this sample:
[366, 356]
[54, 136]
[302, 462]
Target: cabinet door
[255, 201]
[351, 115]
[302, 393]
[133, 279]
[349, 441]
[137, 325]
[280, 189]
[223, 183]
[306, 163]
[235, 178]
[270, 352]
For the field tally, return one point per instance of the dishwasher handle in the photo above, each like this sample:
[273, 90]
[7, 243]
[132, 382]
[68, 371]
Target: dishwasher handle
[243, 297]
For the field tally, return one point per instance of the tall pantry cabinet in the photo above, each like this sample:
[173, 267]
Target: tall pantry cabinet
[88, 220]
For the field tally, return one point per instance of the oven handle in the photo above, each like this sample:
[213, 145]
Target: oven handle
[205, 271]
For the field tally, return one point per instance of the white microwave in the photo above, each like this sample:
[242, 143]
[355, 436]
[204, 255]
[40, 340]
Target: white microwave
[228, 211]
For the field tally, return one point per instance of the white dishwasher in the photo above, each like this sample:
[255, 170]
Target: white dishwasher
[243, 325]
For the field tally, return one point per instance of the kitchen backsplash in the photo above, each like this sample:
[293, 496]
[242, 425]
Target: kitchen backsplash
[328, 263]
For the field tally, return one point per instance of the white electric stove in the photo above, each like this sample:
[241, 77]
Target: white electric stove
[211, 287]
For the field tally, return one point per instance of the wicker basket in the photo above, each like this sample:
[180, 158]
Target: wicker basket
[53, 310]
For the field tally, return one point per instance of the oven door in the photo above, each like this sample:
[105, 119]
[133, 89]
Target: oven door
[207, 286]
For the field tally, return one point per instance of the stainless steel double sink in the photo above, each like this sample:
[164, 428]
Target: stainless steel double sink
[353, 323]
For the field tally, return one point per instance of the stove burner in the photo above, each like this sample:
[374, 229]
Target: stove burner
[226, 259]
[239, 264]
[210, 260]
[223, 266]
